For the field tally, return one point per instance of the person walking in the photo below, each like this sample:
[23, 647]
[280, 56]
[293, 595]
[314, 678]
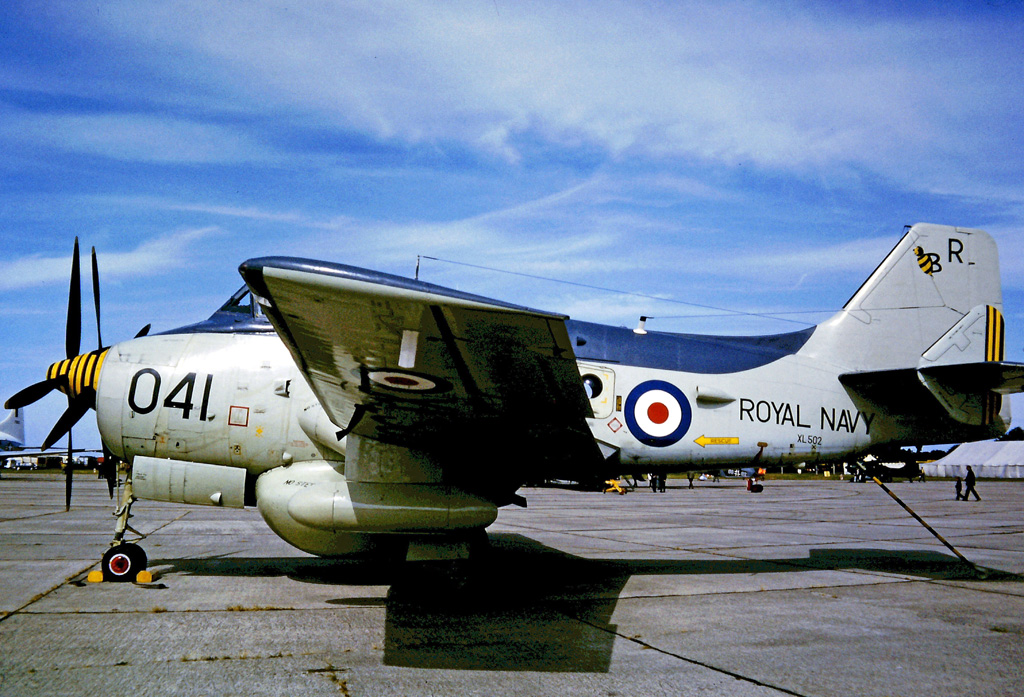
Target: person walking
[969, 481]
[959, 486]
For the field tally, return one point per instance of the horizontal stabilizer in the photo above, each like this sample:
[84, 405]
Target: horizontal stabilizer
[964, 368]
[977, 408]
[916, 415]
[1001, 377]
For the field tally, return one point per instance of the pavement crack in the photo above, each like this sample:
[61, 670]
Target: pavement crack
[183, 659]
[692, 661]
[36, 598]
[69, 579]
[331, 673]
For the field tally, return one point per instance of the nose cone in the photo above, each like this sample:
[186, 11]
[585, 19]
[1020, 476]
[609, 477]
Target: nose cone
[79, 375]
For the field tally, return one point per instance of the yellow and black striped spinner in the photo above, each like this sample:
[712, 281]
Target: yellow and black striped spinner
[81, 373]
[995, 339]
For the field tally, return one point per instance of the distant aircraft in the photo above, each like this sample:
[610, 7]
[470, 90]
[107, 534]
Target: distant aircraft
[12, 441]
[358, 410]
[12, 438]
[12, 431]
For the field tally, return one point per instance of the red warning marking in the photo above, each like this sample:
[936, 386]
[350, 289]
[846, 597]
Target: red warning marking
[238, 416]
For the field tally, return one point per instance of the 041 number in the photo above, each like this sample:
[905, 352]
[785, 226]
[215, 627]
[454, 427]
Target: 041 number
[144, 394]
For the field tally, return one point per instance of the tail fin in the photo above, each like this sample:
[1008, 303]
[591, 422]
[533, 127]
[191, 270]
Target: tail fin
[12, 429]
[929, 317]
[930, 281]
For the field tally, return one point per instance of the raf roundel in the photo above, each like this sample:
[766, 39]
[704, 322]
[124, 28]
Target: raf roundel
[405, 381]
[657, 413]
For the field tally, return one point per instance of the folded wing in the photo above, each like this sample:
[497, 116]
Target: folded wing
[421, 366]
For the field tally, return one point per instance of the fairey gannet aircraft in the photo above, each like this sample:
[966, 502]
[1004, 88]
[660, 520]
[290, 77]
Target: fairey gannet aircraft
[356, 409]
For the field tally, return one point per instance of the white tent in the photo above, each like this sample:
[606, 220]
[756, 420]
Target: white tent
[998, 459]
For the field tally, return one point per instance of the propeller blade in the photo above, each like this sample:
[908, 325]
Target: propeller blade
[73, 336]
[75, 411]
[33, 393]
[96, 297]
[144, 331]
[68, 474]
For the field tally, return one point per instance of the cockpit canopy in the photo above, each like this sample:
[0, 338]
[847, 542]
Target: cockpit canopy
[240, 314]
[242, 302]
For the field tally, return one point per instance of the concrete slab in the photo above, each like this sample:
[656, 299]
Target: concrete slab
[812, 588]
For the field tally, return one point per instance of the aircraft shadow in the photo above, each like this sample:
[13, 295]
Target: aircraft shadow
[305, 569]
[523, 606]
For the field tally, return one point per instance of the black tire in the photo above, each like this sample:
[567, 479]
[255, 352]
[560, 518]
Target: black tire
[123, 562]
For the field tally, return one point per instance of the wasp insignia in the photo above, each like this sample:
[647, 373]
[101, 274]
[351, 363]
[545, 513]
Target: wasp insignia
[929, 263]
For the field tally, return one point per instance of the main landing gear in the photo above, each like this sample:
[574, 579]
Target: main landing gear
[124, 561]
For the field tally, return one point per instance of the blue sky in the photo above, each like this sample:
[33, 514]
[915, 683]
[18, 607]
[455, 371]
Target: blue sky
[761, 157]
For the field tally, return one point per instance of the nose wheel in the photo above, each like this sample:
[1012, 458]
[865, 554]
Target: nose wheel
[123, 562]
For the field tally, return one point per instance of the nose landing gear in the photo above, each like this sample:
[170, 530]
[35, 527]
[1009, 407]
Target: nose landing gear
[124, 561]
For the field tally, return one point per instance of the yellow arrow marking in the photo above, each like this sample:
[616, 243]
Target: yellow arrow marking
[705, 441]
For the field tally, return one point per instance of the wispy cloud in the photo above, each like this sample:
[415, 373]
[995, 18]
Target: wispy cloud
[811, 258]
[793, 87]
[150, 258]
[253, 213]
[132, 137]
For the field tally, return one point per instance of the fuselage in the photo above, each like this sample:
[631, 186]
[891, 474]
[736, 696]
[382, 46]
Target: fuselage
[687, 400]
[237, 399]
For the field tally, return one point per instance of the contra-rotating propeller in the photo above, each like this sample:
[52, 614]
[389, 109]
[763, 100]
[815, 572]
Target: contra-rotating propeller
[76, 376]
